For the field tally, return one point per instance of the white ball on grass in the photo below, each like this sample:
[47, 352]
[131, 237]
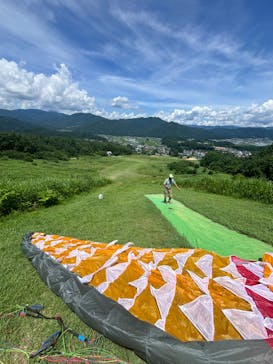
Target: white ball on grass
[100, 196]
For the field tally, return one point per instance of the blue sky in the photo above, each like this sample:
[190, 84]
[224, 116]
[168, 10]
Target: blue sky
[206, 62]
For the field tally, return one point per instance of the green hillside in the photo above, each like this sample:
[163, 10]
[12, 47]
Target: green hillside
[124, 214]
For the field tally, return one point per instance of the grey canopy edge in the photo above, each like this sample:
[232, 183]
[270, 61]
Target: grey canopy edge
[147, 341]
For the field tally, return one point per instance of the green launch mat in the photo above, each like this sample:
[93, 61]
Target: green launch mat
[204, 233]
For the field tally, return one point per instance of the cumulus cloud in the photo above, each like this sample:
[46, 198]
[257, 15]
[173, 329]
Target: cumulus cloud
[253, 116]
[118, 115]
[20, 88]
[122, 102]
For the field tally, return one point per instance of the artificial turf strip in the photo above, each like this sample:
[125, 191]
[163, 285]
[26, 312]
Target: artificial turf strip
[202, 232]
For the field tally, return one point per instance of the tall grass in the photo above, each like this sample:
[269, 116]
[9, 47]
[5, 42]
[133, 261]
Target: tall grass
[45, 191]
[250, 188]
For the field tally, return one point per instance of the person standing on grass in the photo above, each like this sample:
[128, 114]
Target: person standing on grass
[168, 183]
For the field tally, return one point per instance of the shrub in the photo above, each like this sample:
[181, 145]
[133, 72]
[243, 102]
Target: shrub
[183, 167]
[48, 198]
[44, 192]
[250, 188]
[9, 201]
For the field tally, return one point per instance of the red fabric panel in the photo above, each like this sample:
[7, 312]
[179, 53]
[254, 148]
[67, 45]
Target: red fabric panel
[251, 278]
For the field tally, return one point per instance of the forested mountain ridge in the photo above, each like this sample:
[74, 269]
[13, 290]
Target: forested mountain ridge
[86, 124]
[11, 124]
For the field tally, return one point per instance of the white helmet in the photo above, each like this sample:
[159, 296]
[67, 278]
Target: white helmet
[170, 175]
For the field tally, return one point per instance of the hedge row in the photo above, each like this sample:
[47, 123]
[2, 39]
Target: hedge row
[44, 192]
[250, 188]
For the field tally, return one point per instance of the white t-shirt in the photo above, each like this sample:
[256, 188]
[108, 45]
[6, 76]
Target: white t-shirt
[169, 182]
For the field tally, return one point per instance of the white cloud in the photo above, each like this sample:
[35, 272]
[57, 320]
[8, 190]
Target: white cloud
[117, 115]
[121, 102]
[114, 115]
[253, 116]
[149, 32]
[268, 105]
[20, 88]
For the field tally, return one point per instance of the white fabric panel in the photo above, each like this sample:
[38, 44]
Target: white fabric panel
[82, 247]
[102, 287]
[123, 249]
[164, 295]
[56, 242]
[114, 272]
[164, 298]
[235, 286]
[92, 251]
[181, 259]
[256, 268]
[232, 269]
[79, 254]
[263, 291]
[249, 325]
[158, 256]
[132, 256]
[111, 243]
[40, 244]
[60, 250]
[267, 281]
[89, 277]
[140, 283]
[202, 283]
[146, 266]
[268, 323]
[109, 262]
[73, 253]
[205, 264]
[160, 324]
[168, 274]
[126, 302]
[143, 252]
[50, 237]
[200, 313]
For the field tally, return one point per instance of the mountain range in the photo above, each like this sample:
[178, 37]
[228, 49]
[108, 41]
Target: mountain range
[87, 125]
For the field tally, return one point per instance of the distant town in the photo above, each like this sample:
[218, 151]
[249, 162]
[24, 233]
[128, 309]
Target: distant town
[154, 146]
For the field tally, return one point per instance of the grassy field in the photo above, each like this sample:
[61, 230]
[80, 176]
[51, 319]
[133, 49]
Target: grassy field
[124, 214]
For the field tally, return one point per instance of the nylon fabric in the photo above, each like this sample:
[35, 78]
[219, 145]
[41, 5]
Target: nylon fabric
[159, 285]
[111, 319]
